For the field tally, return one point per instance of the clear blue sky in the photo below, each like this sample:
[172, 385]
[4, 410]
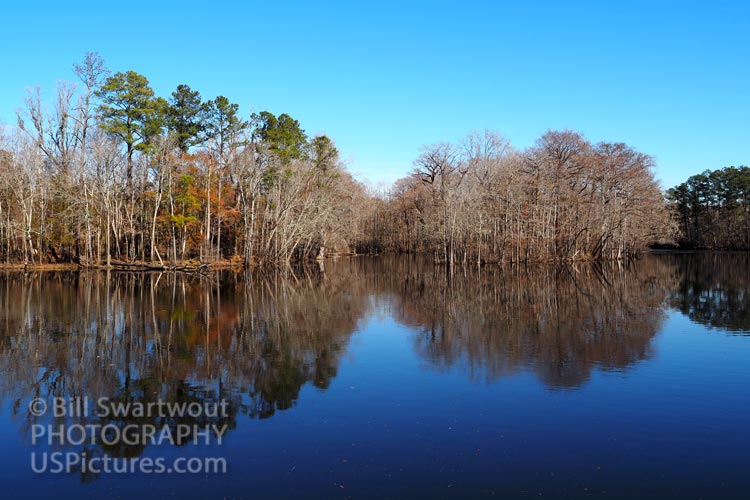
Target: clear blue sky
[382, 78]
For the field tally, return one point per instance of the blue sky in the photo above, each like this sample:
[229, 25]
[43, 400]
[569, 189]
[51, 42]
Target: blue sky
[382, 78]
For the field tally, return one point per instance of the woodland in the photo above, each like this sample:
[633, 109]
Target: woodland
[105, 173]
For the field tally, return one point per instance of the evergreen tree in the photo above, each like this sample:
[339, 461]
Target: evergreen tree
[130, 112]
[186, 117]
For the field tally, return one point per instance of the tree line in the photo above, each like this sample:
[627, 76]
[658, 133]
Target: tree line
[713, 209]
[483, 201]
[109, 170]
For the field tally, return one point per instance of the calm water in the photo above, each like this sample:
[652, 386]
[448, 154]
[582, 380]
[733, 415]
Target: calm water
[385, 378]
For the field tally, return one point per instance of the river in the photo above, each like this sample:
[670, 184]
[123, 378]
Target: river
[382, 378]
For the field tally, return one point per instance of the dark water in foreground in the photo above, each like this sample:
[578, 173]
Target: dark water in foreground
[382, 378]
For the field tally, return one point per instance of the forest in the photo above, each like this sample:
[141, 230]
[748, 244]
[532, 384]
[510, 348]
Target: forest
[563, 199]
[111, 172]
[107, 173]
[713, 209]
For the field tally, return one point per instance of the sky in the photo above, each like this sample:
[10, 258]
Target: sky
[671, 79]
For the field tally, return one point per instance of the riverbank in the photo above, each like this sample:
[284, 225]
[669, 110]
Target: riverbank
[136, 266]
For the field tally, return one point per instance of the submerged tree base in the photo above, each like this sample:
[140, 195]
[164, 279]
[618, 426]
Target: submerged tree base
[117, 265]
[236, 263]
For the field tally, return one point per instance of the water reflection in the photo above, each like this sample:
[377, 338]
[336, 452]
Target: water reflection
[162, 337]
[714, 289]
[560, 322]
[255, 342]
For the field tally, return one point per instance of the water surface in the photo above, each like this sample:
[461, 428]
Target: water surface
[388, 378]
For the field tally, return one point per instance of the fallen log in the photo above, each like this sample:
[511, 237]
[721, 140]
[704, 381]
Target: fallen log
[120, 265]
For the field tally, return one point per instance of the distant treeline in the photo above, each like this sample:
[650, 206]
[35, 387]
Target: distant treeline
[562, 199]
[108, 171]
[713, 209]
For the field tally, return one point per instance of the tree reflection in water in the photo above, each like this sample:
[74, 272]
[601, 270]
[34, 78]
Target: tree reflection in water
[714, 289]
[256, 342]
[560, 322]
[170, 337]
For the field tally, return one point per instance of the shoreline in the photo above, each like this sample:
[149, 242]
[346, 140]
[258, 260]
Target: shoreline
[192, 266]
[138, 266]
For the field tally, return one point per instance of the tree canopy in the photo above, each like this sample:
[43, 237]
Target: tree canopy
[129, 111]
[713, 209]
[116, 172]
